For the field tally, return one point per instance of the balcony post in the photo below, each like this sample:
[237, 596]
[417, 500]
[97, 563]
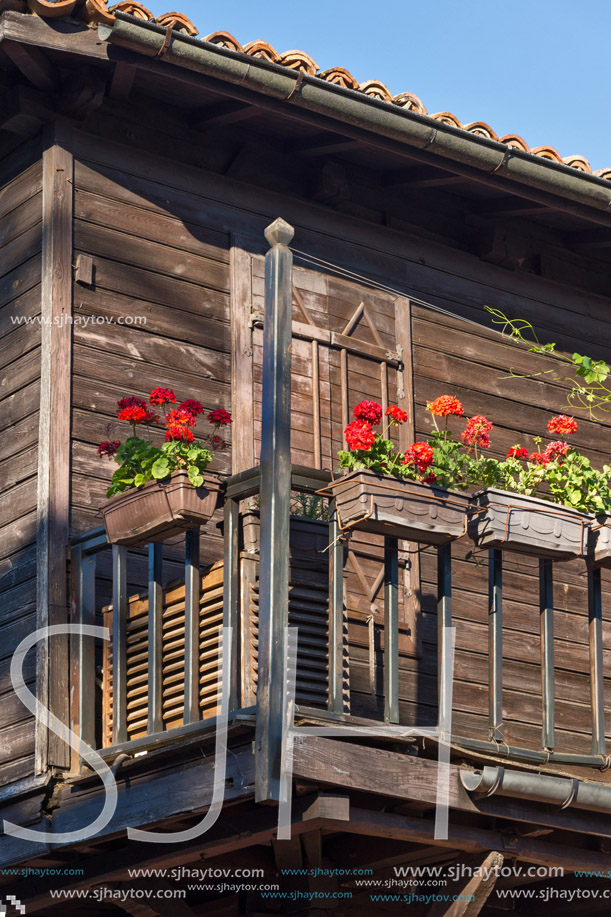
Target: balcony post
[275, 509]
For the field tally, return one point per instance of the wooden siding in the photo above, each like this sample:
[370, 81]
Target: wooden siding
[159, 239]
[20, 279]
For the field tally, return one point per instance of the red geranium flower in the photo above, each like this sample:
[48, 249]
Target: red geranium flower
[218, 442]
[161, 396]
[446, 405]
[518, 452]
[179, 431]
[191, 405]
[132, 401]
[219, 417]
[134, 415]
[396, 414]
[562, 424]
[430, 478]
[369, 411]
[108, 448]
[539, 458]
[359, 435]
[476, 432]
[419, 454]
[557, 450]
[180, 418]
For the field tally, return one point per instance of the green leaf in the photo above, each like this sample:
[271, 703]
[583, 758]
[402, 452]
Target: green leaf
[194, 476]
[161, 468]
[139, 480]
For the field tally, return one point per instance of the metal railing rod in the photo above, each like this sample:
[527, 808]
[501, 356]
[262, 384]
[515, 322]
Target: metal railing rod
[192, 599]
[336, 613]
[495, 645]
[546, 614]
[391, 630]
[596, 661]
[155, 638]
[119, 643]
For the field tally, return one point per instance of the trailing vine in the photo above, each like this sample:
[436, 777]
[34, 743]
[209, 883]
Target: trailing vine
[586, 376]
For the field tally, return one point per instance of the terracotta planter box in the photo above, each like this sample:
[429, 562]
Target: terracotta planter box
[402, 509]
[528, 525]
[599, 540]
[159, 510]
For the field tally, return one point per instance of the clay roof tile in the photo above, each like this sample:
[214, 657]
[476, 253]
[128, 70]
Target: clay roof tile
[94, 11]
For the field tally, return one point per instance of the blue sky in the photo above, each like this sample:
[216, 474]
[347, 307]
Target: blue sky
[537, 69]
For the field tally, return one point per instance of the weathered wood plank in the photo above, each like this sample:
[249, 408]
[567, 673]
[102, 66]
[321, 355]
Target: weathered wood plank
[54, 442]
[174, 262]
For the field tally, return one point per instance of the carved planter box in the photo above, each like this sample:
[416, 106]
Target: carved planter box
[528, 525]
[160, 509]
[599, 541]
[403, 509]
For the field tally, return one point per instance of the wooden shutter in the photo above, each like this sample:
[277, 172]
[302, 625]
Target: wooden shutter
[211, 621]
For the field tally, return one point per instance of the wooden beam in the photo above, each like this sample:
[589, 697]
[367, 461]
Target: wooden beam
[473, 840]
[231, 834]
[221, 114]
[471, 896]
[122, 81]
[24, 110]
[54, 437]
[33, 64]
[320, 145]
[403, 776]
[421, 177]
[508, 207]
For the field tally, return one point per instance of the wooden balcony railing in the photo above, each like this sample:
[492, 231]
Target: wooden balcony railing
[160, 668]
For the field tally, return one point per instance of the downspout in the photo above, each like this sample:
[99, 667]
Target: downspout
[561, 792]
[359, 112]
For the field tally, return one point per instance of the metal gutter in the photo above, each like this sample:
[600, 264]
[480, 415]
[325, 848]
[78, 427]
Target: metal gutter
[356, 110]
[557, 791]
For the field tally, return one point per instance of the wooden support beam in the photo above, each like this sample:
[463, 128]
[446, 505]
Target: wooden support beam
[471, 896]
[24, 110]
[405, 777]
[33, 64]
[221, 114]
[122, 81]
[320, 145]
[420, 177]
[54, 438]
[508, 207]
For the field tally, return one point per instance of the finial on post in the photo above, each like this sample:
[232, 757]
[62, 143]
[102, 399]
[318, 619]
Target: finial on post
[279, 232]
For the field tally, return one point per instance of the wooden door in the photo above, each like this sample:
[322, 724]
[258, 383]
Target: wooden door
[350, 343]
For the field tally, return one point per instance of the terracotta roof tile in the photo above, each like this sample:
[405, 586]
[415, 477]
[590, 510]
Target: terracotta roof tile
[94, 11]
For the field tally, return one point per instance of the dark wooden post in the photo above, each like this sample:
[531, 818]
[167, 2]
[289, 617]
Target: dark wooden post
[546, 615]
[275, 508]
[192, 599]
[495, 645]
[595, 624]
[155, 638]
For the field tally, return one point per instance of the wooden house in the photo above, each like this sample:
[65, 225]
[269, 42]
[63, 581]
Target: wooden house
[140, 166]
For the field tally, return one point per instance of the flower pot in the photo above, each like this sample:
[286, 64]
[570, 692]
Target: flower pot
[599, 540]
[528, 525]
[160, 509]
[402, 509]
